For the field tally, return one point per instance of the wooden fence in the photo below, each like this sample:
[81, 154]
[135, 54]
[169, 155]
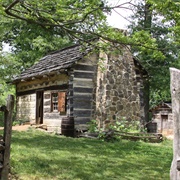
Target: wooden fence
[175, 95]
[5, 138]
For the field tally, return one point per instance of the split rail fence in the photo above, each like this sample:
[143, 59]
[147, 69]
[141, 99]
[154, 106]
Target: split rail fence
[5, 138]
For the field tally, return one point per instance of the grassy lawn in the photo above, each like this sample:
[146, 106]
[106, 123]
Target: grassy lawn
[37, 155]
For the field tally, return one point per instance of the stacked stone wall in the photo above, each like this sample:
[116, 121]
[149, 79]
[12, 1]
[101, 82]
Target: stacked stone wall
[117, 88]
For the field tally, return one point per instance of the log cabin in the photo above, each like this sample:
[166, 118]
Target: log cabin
[84, 84]
[162, 116]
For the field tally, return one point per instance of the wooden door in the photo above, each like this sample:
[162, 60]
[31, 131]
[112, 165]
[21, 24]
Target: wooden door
[39, 107]
[164, 128]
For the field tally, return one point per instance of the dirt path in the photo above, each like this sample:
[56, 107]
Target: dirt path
[18, 128]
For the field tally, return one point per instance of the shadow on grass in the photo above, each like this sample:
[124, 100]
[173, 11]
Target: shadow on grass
[42, 155]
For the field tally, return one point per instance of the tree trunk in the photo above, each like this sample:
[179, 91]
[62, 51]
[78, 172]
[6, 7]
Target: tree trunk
[147, 16]
[175, 94]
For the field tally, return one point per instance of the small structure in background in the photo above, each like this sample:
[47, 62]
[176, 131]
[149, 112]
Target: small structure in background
[162, 116]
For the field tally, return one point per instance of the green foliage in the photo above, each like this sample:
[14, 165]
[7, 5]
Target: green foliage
[126, 126]
[20, 122]
[1, 119]
[121, 125]
[149, 26]
[29, 43]
[5, 90]
[39, 155]
[93, 126]
[8, 69]
[34, 28]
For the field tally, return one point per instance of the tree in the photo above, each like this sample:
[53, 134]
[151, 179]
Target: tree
[29, 42]
[8, 68]
[35, 25]
[151, 21]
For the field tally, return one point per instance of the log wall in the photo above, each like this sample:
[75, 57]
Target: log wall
[82, 88]
[51, 119]
[26, 107]
[26, 99]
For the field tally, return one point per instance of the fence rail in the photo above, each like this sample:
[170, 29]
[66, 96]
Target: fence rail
[5, 139]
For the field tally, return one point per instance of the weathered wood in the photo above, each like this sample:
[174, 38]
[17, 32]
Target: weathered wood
[7, 136]
[85, 75]
[86, 83]
[82, 98]
[26, 92]
[81, 120]
[147, 137]
[175, 94]
[84, 67]
[83, 90]
[82, 113]
[82, 104]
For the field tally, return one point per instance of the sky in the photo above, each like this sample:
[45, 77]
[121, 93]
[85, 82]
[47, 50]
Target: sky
[119, 16]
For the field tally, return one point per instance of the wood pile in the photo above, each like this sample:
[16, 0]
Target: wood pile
[111, 134]
[146, 137]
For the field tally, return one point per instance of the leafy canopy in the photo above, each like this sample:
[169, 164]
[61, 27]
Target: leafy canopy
[153, 21]
[35, 27]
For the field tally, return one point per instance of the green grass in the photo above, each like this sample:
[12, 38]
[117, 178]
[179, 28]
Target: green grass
[37, 155]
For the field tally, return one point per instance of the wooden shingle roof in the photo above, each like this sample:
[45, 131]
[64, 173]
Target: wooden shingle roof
[55, 61]
[163, 105]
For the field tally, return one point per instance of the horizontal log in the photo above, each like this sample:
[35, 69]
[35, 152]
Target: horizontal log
[84, 67]
[83, 90]
[85, 75]
[58, 87]
[80, 120]
[82, 104]
[84, 84]
[82, 98]
[82, 113]
[141, 136]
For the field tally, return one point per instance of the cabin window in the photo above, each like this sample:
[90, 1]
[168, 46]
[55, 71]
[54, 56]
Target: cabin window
[58, 102]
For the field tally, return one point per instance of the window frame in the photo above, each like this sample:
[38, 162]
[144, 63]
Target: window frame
[57, 101]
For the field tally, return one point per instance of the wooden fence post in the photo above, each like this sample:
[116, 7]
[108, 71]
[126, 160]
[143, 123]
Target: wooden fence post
[7, 136]
[175, 95]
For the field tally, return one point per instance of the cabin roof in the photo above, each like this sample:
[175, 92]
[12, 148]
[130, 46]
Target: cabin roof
[58, 60]
[166, 105]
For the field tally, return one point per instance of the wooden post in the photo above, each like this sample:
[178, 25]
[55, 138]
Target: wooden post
[175, 95]
[7, 136]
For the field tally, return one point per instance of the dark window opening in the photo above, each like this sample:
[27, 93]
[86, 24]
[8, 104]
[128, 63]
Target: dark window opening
[164, 117]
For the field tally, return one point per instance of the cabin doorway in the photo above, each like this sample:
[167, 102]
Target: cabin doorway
[39, 107]
[164, 125]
